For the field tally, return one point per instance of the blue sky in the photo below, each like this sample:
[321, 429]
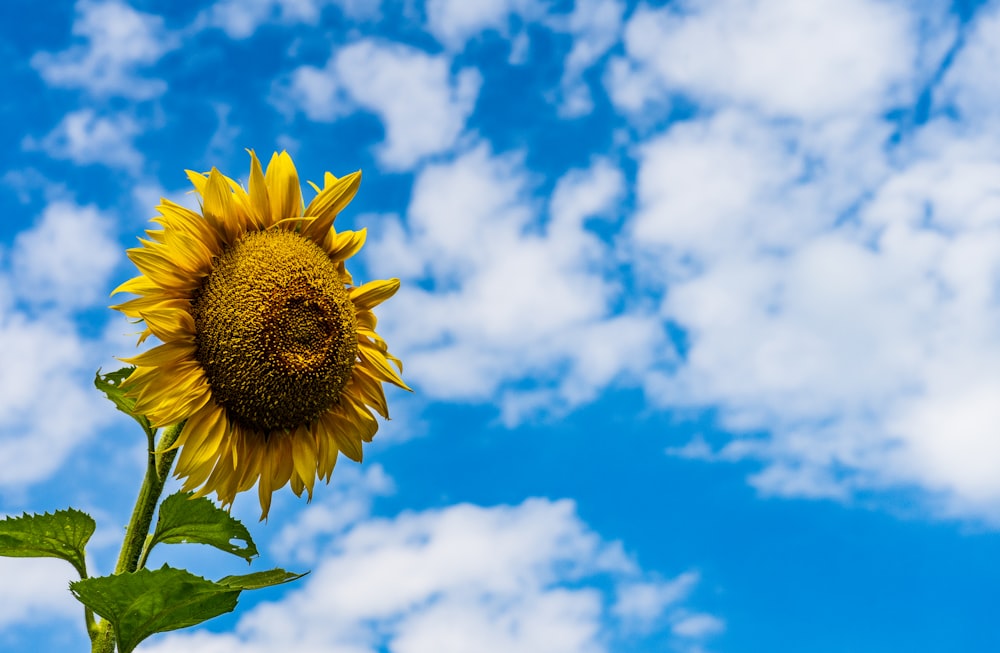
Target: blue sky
[700, 306]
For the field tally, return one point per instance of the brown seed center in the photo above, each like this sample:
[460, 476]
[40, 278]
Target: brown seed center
[276, 331]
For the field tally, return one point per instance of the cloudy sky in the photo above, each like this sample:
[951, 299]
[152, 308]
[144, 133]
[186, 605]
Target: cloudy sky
[701, 306]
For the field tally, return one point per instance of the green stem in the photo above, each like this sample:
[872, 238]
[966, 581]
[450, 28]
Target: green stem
[88, 615]
[158, 466]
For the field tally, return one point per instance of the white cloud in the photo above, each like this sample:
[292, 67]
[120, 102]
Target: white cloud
[642, 604]
[710, 187]
[36, 590]
[812, 60]
[836, 296]
[698, 626]
[59, 265]
[527, 578]
[512, 298]
[86, 138]
[66, 258]
[44, 386]
[240, 19]
[346, 503]
[455, 22]
[963, 87]
[421, 104]
[118, 41]
[595, 26]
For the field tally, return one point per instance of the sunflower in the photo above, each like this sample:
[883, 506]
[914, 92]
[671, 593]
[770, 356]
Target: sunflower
[269, 351]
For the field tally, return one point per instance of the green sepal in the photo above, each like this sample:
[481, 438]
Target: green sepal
[146, 602]
[62, 534]
[183, 519]
[110, 385]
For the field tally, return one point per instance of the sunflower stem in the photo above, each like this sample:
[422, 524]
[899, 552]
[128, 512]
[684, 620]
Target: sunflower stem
[158, 464]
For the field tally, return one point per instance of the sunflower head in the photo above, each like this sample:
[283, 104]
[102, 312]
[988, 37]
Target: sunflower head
[269, 350]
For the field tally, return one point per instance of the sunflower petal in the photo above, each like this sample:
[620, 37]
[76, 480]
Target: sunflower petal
[304, 456]
[283, 188]
[218, 205]
[374, 293]
[260, 201]
[347, 243]
[329, 202]
[161, 355]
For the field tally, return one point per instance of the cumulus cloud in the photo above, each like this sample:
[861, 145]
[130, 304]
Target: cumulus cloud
[454, 22]
[66, 258]
[836, 291]
[512, 298]
[84, 137]
[118, 41]
[36, 591]
[59, 265]
[527, 578]
[345, 504]
[422, 105]
[813, 60]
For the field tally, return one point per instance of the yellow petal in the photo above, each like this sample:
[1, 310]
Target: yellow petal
[198, 180]
[347, 243]
[164, 354]
[304, 456]
[283, 188]
[368, 389]
[358, 414]
[327, 452]
[347, 441]
[161, 270]
[133, 307]
[260, 201]
[140, 285]
[375, 361]
[206, 429]
[170, 321]
[218, 205]
[329, 202]
[374, 293]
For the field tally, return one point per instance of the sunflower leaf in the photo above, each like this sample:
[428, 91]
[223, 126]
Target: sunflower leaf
[146, 602]
[184, 519]
[260, 580]
[110, 385]
[62, 534]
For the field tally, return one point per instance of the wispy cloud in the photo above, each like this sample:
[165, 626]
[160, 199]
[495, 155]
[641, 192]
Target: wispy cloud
[454, 23]
[240, 19]
[85, 137]
[117, 42]
[595, 26]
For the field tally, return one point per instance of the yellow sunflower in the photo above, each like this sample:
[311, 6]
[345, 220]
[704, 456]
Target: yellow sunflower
[269, 350]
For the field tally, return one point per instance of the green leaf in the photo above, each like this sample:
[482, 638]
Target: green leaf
[110, 385]
[260, 579]
[183, 519]
[62, 534]
[146, 602]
